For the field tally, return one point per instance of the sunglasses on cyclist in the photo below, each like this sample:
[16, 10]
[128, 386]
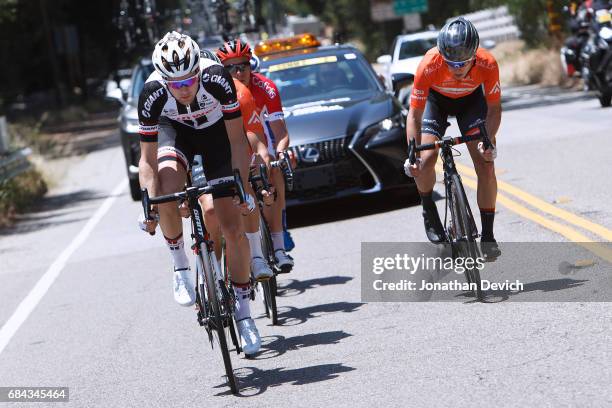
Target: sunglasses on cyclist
[233, 68]
[458, 65]
[183, 82]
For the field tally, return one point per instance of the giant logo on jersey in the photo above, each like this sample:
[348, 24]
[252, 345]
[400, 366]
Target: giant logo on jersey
[218, 79]
[269, 89]
[146, 112]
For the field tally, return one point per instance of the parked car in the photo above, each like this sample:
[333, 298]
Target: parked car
[406, 53]
[128, 120]
[347, 132]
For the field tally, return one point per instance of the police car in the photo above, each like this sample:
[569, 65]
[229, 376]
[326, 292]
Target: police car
[346, 130]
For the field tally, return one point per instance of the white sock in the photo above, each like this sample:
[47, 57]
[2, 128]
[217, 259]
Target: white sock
[278, 241]
[255, 244]
[177, 250]
[243, 297]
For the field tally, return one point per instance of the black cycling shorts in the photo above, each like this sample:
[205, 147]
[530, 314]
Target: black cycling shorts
[470, 110]
[180, 143]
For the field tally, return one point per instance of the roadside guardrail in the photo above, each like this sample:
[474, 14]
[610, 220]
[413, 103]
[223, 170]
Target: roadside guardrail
[13, 164]
[495, 24]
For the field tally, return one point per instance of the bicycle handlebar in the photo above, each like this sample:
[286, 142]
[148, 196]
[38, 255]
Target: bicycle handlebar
[235, 186]
[449, 141]
[285, 165]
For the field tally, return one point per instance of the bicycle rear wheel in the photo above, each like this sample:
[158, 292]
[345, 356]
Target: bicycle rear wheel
[463, 224]
[217, 316]
[269, 286]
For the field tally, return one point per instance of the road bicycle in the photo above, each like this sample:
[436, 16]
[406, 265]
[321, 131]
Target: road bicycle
[460, 228]
[215, 299]
[259, 183]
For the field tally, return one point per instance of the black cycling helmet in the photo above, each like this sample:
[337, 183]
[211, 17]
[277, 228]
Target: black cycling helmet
[458, 40]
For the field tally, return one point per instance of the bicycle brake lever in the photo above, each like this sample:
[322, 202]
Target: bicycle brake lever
[411, 151]
[486, 142]
[146, 206]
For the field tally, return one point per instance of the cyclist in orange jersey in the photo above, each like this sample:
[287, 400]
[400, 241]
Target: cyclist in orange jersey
[456, 78]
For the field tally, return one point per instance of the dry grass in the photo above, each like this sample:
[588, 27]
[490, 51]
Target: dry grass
[17, 194]
[518, 66]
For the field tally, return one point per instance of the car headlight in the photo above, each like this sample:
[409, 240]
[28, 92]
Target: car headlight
[129, 125]
[378, 130]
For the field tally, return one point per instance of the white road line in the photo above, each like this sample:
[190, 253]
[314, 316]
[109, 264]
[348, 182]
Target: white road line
[28, 304]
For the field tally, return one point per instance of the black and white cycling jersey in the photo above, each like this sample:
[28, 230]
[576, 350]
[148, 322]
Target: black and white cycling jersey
[216, 99]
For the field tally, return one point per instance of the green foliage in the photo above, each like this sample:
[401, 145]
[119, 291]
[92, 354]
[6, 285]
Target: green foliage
[8, 11]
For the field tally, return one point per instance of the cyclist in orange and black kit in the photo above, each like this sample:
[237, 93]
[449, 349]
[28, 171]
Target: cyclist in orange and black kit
[456, 78]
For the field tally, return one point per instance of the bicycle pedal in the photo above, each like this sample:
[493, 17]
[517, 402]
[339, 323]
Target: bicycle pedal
[283, 269]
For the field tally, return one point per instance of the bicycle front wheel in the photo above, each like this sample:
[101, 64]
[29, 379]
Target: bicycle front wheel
[463, 225]
[269, 286]
[217, 317]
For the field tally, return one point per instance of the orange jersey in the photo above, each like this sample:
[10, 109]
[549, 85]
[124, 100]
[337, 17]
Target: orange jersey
[433, 73]
[250, 118]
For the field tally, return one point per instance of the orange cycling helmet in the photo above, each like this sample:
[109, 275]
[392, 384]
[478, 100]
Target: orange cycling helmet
[234, 49]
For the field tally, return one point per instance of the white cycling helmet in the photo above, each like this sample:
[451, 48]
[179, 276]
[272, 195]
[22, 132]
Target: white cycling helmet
[176, 55]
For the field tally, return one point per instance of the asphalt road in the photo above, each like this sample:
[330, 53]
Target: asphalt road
[86, 299]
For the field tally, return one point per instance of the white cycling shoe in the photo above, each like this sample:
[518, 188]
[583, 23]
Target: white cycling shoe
[261, 270]
[284, 261]
[184, 293]
[249, 336]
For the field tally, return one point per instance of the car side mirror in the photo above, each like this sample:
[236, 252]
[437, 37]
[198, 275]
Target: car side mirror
[400, 81]
[116, 95]
[488, 44]
[384, 59]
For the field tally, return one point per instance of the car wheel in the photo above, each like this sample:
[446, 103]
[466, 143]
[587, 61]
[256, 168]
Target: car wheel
[135, 189]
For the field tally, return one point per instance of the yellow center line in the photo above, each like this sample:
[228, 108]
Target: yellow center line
[542, 205]
[571, 234]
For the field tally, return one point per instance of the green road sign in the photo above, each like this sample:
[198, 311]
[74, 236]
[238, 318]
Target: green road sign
[401, 7]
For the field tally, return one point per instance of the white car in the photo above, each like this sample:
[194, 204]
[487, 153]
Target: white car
[407, 51]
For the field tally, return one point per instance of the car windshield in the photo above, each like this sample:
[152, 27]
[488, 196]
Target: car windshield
[139, 78]
[322, 78]
[416, 48]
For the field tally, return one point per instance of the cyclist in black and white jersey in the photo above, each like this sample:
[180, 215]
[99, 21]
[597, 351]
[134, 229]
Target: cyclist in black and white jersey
[189, 106]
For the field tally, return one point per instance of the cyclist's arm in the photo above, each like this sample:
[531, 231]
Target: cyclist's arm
[150, 104]
[147, 167]
[238, 143]
[258, 146]
[281, 135]
[494, 113]
[413, 124]
[492, 89]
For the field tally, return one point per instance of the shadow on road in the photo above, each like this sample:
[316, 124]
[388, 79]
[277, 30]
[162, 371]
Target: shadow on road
[48, 212]
[253, 381]
[293, 316]
[349, 207]
[296, 287]
[552, 285]
[275, 346]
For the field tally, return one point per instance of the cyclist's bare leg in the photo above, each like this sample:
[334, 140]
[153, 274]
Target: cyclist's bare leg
[427, 179]
[274, 216]
[274, 213]
[425, 183]
[251, 221]
[486, 194]
[212, 223]
[487, 182]
[172, 178]
[238, 253]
